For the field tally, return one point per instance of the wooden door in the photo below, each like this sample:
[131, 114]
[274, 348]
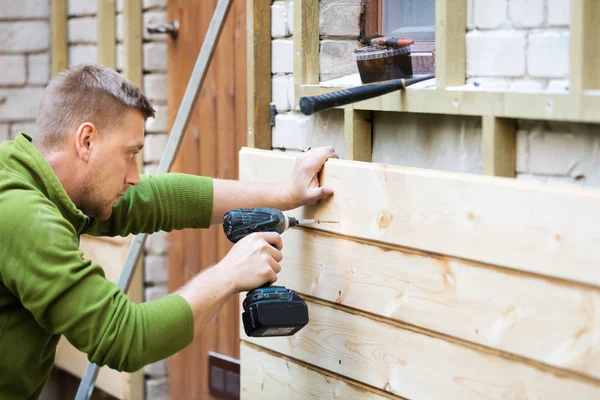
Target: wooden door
[216, 132]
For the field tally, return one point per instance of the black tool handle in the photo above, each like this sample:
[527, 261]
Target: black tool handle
[312, 104]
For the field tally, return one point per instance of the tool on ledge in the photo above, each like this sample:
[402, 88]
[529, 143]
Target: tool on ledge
[312, 104]
[268, 310]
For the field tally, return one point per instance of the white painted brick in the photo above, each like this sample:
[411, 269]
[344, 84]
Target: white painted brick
[335, 59]
[282, 56]
[526, 13]
[38, 68]
[527, 85]
[155, 57]
[291, 91]
[4, 132]
[559, 12]
[470, 16]
[558, 86]
[82, 53]
[20, 104]
[120, 28]
[157, 389]
[490, 14]
[495, 54]
[120, 57]
[24, 36]
[548, 54]
[290, 17]
[339, 18]
[154, 145]
[489, 83]
[154, 17]
[157, 369]
[279, 23]
[26, 127]
[154, 4]
[292, 131]
[156, 243]
[155, 293]
[83, 30]
[160, 123]
[156, 269]
[155, 87]
[24, 9]
[150, 169]
[82, 7]
[13, 69]
[279, 93]
[120, 6]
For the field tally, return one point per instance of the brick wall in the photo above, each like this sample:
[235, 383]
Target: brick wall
[520, 45]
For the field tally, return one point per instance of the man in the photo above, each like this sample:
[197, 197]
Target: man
[79, 174]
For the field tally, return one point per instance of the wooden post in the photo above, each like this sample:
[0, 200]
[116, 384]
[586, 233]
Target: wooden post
[498, 146]
[357, 134]
[259, 73]
[450, 39]
[59, 36]
[106, 33]
[585, 48]
[306, 43]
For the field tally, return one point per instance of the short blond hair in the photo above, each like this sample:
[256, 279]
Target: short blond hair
[85, 93]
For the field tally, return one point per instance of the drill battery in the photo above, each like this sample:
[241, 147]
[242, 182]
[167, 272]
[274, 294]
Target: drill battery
[273, 311]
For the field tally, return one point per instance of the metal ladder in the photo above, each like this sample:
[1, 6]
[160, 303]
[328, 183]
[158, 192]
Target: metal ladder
[86, 387]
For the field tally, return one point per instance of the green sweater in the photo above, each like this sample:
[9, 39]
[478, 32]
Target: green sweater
[47, 288]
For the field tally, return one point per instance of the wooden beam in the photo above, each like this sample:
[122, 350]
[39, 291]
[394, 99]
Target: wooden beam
[270, 375]
[106, 33]
[59, 36]
[414, 365]
[544, 229]
[498, 146]
[585, 49]
[259, 73]
[450, 42]
[357, 135]
[306, 43]
[469, 301]
[545, 106]
[132, 41]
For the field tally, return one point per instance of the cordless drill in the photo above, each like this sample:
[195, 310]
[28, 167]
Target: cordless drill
[268, 310]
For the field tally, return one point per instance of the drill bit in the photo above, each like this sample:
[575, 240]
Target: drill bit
[315, 221]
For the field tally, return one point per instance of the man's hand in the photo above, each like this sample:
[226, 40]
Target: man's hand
[253, 261]
[304, 187]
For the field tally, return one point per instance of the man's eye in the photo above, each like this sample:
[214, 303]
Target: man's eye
[132, 155]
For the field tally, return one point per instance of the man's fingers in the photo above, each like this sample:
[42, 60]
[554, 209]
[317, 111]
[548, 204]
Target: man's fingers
[273, 238]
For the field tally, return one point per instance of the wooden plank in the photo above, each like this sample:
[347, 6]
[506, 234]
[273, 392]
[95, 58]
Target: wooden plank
[585, 49]
[450, 42]
[546, 106]
[259, 73]
[526, 226]
[306, 42]
[106, 33]
[498, 146]
[415, 365]
[267, 375]
[59, 36]
[357, 135]
[545, 320]
[132, 41]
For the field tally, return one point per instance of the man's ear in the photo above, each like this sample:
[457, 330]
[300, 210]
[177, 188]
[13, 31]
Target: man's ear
[85, 137]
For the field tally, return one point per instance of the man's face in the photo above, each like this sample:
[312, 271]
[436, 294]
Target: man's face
[112, 165]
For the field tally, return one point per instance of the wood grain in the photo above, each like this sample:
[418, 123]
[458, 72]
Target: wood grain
[107, 33]
[498, 146]
[450, 42]
[555, 107]
[132, 41]
[584, 50]
[306, 43]
[59, 45]
[358, 135]
[267, 375]
[526, 226]
[415, 365]
[548, 321]
[259, 73]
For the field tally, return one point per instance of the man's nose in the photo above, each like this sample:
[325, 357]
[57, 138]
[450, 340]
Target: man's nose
[133, 177]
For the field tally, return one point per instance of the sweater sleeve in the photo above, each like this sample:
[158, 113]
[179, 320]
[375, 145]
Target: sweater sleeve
[160, 203]
[67, 294]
